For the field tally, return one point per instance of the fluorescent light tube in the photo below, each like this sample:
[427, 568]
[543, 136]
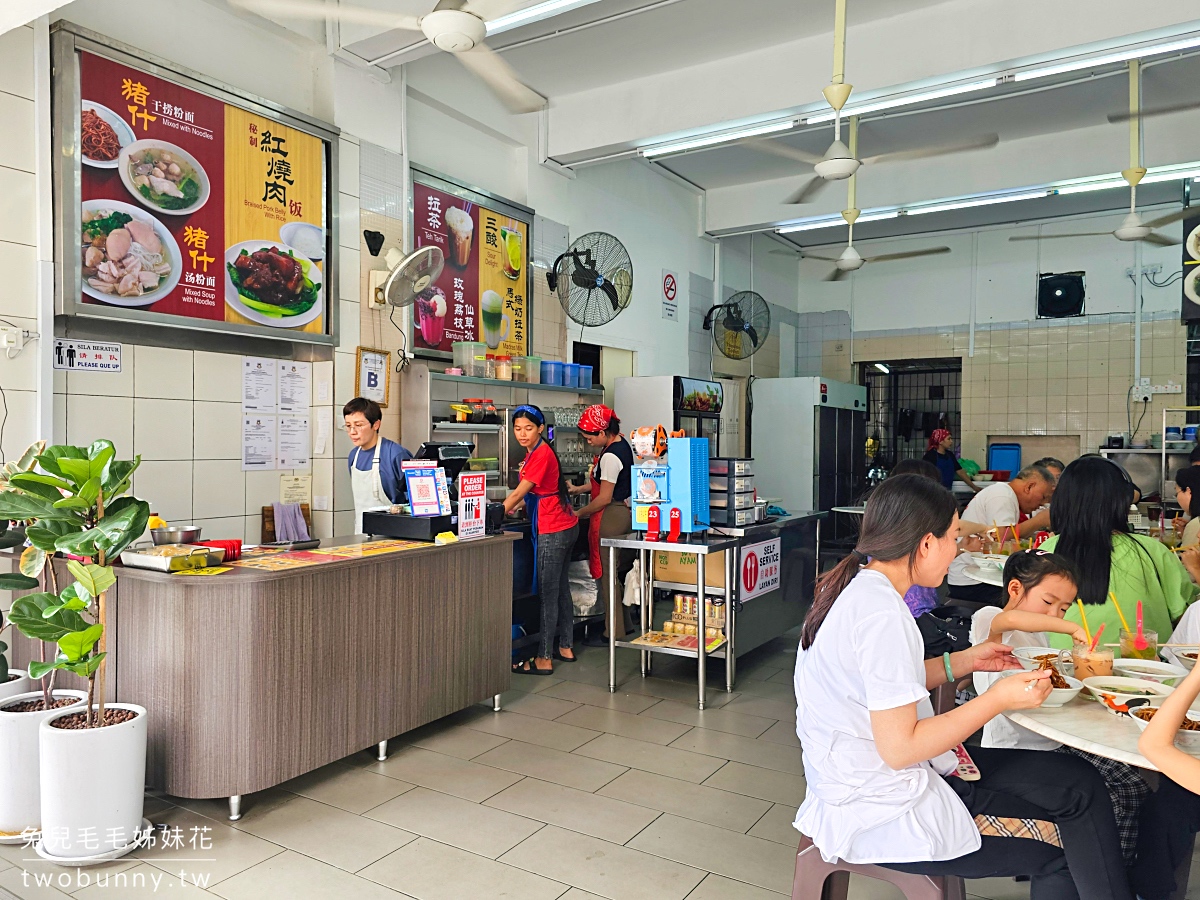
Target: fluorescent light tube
[882, 368]
[711, 140]
[828, 221]
[534, 13]
[976, 201]
[1092, 62]
[906, 100]
[1087, 187]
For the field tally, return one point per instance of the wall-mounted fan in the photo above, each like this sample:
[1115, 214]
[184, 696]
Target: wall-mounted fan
[411, 275]
[740, 325]
[593, 279]
[455, 26]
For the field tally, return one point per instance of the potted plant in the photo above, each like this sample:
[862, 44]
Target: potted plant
[75, 502]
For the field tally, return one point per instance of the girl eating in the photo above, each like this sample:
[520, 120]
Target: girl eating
[1039, 588]
[881, 768]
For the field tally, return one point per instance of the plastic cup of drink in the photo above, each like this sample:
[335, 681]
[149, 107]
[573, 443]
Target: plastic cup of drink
[1130, 651]
[1090, 663]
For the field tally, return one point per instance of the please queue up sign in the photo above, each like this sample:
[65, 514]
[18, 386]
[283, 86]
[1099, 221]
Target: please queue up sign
[89, 356]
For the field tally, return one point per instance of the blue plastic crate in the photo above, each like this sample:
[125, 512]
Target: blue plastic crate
[1005, 457]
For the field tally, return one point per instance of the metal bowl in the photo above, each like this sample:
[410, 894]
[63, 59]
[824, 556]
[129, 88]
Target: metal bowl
[176, 534]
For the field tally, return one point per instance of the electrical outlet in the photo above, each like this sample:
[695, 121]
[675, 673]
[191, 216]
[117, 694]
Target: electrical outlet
[1140, 395]
[1155, 269]
[1169, 388]
[11, 340]
[375, 282]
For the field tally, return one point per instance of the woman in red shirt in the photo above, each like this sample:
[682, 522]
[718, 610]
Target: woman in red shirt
[544, 492]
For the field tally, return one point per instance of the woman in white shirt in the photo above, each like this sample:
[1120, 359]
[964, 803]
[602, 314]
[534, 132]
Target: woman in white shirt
[881, 768]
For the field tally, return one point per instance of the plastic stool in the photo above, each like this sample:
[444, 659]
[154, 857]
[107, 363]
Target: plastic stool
[816, 879]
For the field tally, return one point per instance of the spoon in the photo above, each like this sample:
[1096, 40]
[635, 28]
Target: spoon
[1139, 641]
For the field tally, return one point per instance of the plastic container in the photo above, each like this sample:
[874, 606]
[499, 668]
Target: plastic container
[504, 368]
[489, 365]
[465, 353]
[533, 370]
[585, 378]
[551, 371]
[1189, 433]
[478, 366]
[520, 368]
[570, 376]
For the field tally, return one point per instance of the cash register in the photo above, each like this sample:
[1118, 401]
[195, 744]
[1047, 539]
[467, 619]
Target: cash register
[452, 457]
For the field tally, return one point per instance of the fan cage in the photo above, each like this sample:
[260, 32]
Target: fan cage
[591, 307]
[755, 313]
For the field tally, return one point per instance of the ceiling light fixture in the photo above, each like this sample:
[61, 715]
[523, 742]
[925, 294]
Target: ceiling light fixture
[533, 14]
[905, 100]
[1111, 181]
[882, 368]
[826, 221]
[968, 202]
[724, 137]
[1106, 59]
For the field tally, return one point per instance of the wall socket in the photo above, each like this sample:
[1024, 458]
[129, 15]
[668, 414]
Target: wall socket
[1155, 269]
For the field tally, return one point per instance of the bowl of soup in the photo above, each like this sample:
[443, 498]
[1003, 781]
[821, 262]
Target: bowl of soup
[1150, 670]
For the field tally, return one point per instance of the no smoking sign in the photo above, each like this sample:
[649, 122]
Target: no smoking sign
[670, 294]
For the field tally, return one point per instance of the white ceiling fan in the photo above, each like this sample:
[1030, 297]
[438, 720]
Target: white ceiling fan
[851, 260]
[839, 161]
[455, 26]
[1132, 227]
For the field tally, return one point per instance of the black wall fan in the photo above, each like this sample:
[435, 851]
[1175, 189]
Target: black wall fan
[593, 279]
[740, 325]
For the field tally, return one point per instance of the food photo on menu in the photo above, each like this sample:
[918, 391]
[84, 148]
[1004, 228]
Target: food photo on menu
[197, 209]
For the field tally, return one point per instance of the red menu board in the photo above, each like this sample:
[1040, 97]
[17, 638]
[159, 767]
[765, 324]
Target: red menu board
[481, 293]
[195, 208]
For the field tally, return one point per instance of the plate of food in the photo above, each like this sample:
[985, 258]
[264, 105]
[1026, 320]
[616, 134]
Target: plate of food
[128, 257]
[1190, 289]
[1192, 243]
[102, 135]
[163, 177]
[305, 238]
[1116, 692]
[272, 284]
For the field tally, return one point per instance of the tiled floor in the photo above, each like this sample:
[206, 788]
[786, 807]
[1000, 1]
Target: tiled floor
[570, 793]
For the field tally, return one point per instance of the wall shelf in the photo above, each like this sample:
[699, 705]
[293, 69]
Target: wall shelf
[517, 385]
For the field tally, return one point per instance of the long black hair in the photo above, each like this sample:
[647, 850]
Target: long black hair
[1090, 514]
[535, 415]
[1188, 479]
[1031, 567]
[901, 512]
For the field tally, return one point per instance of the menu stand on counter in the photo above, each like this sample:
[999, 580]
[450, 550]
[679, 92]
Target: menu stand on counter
[702, 549]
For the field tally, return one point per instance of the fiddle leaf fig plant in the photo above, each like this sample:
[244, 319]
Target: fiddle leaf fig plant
[74, 501]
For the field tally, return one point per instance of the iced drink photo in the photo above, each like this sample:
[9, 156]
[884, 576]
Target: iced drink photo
[510, 240]
[462, 229]
[495, 322]
[431, 316]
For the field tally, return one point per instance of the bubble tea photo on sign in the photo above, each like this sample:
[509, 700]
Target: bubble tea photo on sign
[495, 322]
[462, 229]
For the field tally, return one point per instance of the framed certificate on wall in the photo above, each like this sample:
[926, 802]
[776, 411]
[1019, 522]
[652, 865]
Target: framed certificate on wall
[373, 375]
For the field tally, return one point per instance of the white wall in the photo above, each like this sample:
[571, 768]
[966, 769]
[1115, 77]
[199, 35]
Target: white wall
[937, 291]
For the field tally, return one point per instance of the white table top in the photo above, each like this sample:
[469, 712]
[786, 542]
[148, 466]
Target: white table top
[1086, 725]
[985, 574]
[849, 510]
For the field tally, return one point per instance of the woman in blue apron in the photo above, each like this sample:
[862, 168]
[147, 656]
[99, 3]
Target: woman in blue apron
[544, 492]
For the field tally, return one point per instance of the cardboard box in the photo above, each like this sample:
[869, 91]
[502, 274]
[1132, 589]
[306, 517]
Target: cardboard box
[681, 568]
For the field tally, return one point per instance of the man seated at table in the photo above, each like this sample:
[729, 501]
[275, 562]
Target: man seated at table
[1000, 503]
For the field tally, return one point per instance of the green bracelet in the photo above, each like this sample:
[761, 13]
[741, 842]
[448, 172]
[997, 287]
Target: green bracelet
[946, 663]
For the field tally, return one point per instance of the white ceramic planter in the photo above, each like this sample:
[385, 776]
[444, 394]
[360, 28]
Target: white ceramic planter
[20, 794]
[19, 685]
[93, 784]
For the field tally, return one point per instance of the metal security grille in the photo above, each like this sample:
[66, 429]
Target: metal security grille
[906, 403]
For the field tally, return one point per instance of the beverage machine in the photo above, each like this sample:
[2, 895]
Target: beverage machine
[671, 493]
[682, 404]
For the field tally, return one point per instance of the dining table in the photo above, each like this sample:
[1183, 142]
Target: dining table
[1085, 725]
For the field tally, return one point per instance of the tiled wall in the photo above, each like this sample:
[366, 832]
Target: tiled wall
[1044, 377]
[18, 237]
[823, 344]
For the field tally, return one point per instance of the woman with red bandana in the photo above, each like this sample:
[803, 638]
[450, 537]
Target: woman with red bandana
[940, 452]
[608, 511]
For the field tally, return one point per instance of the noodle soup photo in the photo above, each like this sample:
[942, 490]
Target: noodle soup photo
[128, 257]
[102, 135]
[164, 178]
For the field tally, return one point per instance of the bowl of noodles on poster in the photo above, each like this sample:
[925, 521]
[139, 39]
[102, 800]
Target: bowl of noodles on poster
[102, 135]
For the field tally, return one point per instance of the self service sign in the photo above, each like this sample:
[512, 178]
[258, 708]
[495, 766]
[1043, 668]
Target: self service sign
[759, 569]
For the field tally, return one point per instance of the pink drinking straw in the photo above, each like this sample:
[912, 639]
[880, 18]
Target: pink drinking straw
[1096, 638]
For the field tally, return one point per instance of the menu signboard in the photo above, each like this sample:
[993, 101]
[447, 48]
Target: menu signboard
[1191, 269]
[191, 211]
[483, 291]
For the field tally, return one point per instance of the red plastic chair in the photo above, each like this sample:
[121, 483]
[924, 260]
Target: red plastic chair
[816, 879]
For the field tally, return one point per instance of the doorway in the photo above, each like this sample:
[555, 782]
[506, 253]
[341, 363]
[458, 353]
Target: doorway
[906, 400]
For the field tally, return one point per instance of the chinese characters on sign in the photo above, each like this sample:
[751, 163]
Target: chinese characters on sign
[472, 504]
[759, 568]
[87, 356]
[481, 293]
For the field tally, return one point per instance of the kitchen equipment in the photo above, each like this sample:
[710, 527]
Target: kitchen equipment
[181, 556]
[723, 500]
[175, 534]
[735, 518]
[681, 404]
[733, 484]
[406, 527]
[724, 465]
[551, 371]
[684, 474]
[593, 280]
[815, 457]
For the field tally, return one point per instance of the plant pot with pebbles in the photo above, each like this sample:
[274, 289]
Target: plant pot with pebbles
[20, 799]
[85, 816]
[17, 683]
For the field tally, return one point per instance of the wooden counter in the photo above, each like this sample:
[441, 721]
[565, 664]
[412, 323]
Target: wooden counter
[253, 677]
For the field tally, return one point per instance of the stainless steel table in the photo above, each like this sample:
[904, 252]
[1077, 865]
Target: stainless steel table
[702, 549]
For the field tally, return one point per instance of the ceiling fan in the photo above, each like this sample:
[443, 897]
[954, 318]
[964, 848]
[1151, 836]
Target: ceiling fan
[851, 260]
[1132, 227]
[455, 26]
[839, 161]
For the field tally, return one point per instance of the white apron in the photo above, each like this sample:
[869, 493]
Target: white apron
[367, 487]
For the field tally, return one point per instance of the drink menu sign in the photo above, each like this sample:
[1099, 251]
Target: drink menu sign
[193, 211]
[482, 293]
